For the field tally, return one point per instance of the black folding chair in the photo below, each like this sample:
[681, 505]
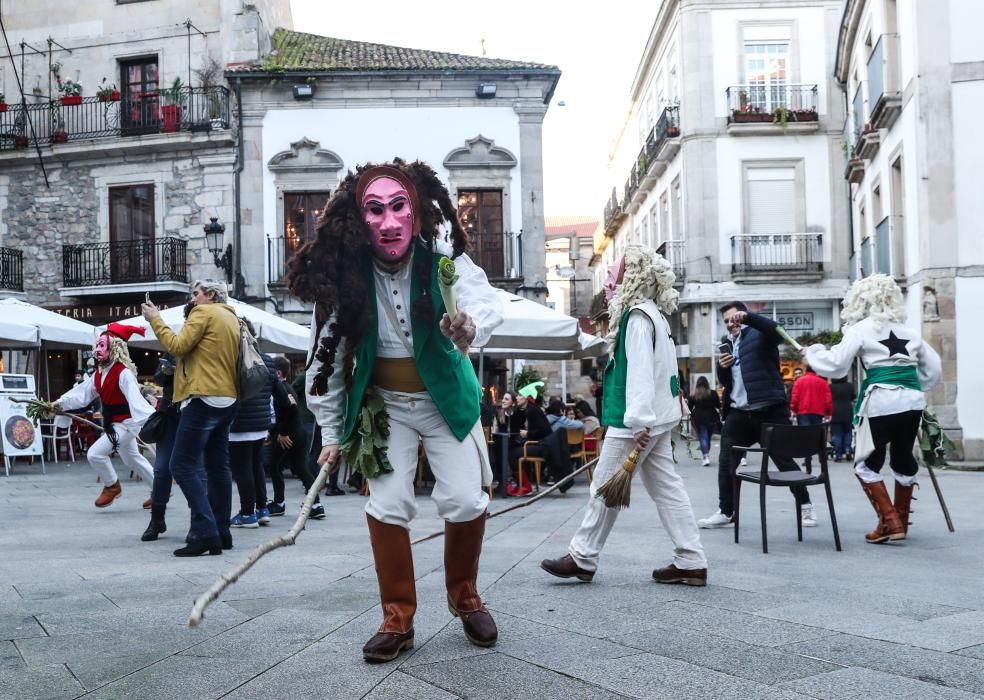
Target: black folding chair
[793, 442]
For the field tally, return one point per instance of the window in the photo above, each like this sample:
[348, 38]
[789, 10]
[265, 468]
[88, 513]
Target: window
[766, 73]
[140, 103]
[131, 233]
[664, 218]
[771, 200]
[301, 213]
[645, 238]
[480, 213]
[677, 213]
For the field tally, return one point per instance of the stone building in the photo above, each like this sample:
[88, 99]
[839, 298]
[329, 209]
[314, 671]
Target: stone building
[913, 77]
[730, 156]
[120, 149]
[314, 107]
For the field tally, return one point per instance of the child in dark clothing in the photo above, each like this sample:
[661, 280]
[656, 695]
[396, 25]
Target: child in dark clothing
[289, 444]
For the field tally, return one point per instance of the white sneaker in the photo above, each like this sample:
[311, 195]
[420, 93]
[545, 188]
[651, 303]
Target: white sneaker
[809, 517]
[706, 462]
[743, 462]
[719, 519]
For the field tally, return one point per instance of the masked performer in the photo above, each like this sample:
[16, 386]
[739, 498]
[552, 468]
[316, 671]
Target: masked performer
[124, 410]
[640, 407]
[899, 366]
[380, 334]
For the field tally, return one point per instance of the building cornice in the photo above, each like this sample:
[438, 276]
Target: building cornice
[846, 37]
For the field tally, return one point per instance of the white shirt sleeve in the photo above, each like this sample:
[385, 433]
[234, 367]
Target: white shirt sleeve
[835, 362]
[140, 410]
[930, 368]
[477, 298]
[80, 395]
[640, 394]
[327, 409]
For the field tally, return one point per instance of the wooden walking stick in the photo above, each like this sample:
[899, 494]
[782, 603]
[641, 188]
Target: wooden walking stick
[37, 409]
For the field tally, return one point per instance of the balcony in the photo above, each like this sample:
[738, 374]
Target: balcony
[781, 255]
[772, 109]
[279, 251]
[11, 269]
[869, 142]
[884, 95]
[854, 172]
[676, 254]
[194, 109]
[661, 146]
[614, 214]
[104, 269]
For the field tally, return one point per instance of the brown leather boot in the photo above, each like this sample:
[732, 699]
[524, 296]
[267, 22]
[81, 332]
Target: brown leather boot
[397, 591]
[109, 494]
[889, 526]
[903, 505]
[462, 549]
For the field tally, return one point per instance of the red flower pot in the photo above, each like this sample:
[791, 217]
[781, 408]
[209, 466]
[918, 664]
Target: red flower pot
[59, 137]
[3, 106]
[71, 100]
[20, 142]
[171, 118]
[115, 97]
[672, 131]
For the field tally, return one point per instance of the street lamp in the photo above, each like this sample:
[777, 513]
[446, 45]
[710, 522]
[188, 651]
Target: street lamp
[214, 237]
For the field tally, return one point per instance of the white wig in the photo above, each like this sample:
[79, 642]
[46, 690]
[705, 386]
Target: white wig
[648, 275]
[877, 297]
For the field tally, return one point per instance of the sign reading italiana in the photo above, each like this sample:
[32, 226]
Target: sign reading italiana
[101, 313]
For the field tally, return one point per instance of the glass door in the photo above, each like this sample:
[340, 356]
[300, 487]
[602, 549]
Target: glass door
[140, 101]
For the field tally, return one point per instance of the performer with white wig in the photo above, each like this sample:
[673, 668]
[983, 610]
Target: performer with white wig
[899, 366]
[640, 407]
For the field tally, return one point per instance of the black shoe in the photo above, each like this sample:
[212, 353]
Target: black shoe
[197, 547]
[157, 525]
[276, 509]
[317, 512]
[226, 539]
[334, 491]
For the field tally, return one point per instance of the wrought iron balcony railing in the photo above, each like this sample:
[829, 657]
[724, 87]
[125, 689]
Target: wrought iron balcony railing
[97, 264]
[11, 269]
[192, 109]
[280, 249]
[780, 103]
[777, 252]
[676, 255]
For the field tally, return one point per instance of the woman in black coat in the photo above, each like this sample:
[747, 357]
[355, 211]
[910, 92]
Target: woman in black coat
[704, 415]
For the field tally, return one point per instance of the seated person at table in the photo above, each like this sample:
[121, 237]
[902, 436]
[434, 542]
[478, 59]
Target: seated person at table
[585, 414]
[558, 418]
[551, 446]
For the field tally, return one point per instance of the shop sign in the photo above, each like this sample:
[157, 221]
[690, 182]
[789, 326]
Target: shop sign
[101, 313]
[795, 320]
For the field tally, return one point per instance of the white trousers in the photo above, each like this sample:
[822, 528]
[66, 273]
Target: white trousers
[665, 487]
[458, 466]
[102, 448]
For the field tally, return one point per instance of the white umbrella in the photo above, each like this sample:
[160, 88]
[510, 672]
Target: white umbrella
[533, 329]
[274, 334]
[25, 324]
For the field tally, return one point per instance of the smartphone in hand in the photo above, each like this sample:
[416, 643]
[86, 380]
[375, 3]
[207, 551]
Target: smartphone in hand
[724, 348]
[147, 298]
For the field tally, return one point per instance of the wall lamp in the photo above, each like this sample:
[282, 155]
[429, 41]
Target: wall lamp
[303, 91]
[214, 237]
[485, 91]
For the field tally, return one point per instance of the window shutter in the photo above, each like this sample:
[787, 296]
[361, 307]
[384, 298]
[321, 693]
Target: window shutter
[771, 197]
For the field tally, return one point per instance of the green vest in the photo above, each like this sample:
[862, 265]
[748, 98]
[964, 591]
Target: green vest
[616, 373]
[446, 372]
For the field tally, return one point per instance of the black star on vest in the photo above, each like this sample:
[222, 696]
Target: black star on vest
[895, 345]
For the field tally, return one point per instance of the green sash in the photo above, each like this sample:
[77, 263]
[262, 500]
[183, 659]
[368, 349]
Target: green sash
[905, 376]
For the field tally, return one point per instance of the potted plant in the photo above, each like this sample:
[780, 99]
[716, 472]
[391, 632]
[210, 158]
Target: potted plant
[107, 93]
[209, 76]
[782, 116]
[3, 103]
[173, 98]
[672, 131]
[20, 141]
[71, 92]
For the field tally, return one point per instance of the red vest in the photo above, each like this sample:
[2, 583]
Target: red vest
[115, 406]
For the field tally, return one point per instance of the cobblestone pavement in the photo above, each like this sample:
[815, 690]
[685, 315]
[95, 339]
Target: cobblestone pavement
[87, 610]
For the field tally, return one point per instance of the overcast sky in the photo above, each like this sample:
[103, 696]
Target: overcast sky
[597, 47]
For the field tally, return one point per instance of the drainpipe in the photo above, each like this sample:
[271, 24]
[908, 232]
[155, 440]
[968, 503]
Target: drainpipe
[239, 288]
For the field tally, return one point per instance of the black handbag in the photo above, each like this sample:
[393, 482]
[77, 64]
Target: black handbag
[153, 429]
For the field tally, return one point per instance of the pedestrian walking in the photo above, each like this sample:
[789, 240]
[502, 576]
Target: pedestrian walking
[705, 415]
[375, 274]
[899, 367]
[748, 367]
[640, 409]
[207, 349]
[810, 403]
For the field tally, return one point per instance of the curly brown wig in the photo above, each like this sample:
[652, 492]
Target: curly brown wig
[331, 271]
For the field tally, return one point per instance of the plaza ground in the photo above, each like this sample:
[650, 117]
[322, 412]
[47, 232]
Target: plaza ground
[87, 610]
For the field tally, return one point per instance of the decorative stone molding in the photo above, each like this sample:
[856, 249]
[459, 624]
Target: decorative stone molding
[305, 156]
[480, 152]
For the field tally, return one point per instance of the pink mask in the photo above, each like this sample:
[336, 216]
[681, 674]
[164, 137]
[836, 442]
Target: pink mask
[102, 349]
[614, 278]
[388, 213]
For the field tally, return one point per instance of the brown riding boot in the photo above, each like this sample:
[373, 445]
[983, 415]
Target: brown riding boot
[889, 526]
[903, 505]
[462, 549]
[397, 591]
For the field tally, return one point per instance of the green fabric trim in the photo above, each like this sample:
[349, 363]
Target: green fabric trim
[905, 376]
[613, 385]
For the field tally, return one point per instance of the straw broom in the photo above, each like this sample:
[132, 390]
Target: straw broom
[617, 490]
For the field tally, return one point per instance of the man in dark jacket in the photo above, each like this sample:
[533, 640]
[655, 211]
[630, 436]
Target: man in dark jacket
[753, 395]
[250, 428]
[289, 445]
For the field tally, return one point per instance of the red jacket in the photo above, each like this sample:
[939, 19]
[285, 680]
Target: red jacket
[811, 395]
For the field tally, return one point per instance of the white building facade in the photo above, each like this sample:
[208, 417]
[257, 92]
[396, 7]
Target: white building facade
[913, 78]
[731, 158]
[476, 121]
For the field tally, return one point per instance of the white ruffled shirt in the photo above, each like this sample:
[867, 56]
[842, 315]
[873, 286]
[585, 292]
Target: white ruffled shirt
[888, 345]
[81, 395]
[476, 297]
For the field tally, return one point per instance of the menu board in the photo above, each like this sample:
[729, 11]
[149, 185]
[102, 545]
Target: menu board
[21, 436]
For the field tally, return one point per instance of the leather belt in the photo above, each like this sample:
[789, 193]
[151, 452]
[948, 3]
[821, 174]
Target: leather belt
[397, 374]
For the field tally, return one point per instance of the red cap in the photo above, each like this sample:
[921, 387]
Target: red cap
[124, 332]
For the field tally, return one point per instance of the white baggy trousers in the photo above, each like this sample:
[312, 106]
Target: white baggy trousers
[665, 487]
[458, 465]
[102, 448]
